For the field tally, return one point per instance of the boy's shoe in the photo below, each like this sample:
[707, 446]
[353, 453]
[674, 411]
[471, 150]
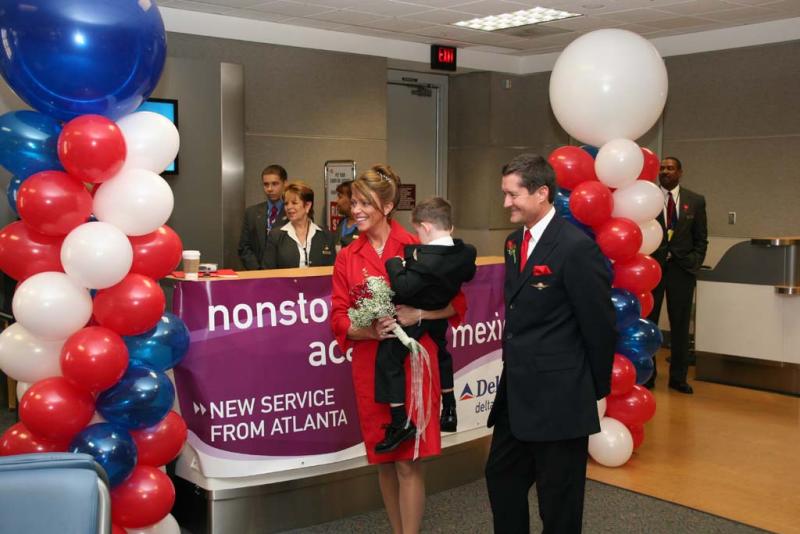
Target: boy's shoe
[395, 435]
[448, 421]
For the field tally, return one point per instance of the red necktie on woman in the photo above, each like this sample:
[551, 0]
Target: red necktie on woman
[523, 258]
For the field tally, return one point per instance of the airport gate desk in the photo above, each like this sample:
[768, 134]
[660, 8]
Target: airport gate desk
[274, 441]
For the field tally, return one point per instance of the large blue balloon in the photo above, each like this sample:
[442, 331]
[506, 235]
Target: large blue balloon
[111, 446]
[72, 57]
[140, 399]
[591, 150]
[626, 306]
[161, 348]
[11, 193]
[561, 203]
[28, 142]
[641, 339]
[644, 368]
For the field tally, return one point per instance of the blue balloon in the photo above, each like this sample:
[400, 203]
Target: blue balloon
[641, 339]
[140, 399]
[161, 348]
[591, 150]
[626, 306]
[11, 193]
[28, 143]
[644, 368]
[111, 446]
[72, 57]
[561, 203]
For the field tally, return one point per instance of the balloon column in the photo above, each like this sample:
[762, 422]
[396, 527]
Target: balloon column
[608, 88]
[93, 210]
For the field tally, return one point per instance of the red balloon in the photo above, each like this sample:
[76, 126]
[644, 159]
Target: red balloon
[53, 203]
[56, 409]
[19, 440]
[638, 275]
[635, 407]
[160, 444]
[651, 167]
[25, 252]
[573, 165]
[143, 499]
[623, 375]
[94, 358]
[131, 307]
[157, 254]
[91, 148]
[116, 529]
[647, 302]
[591, 203]
[637, 433]
[619, 238]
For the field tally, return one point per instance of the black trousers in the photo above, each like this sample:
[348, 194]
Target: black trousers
[390, 376]
[557, 467]
[678, 284]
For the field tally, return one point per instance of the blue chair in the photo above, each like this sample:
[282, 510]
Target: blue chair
[53, 492]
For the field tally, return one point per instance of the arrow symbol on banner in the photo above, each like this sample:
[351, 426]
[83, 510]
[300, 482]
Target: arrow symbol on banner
[199, 408]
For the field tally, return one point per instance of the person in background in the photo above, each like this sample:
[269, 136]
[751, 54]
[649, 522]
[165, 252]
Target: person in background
[299, 242]
[259, 219]
[347, 230]
[681, 254]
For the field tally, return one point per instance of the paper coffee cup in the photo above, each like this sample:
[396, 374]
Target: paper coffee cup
[191, 263]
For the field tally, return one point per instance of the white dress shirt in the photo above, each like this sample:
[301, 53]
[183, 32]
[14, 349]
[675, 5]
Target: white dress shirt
[536, 232]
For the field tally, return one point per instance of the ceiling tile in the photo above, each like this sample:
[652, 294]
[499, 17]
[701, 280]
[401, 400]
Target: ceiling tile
[677, 23]
[442, 16]
[491, 7]
[388, 8]
[748, 15]
[698, 7]
[635, 16]
[292, 9]
[257, 15]
[346, 16]
[397, 24]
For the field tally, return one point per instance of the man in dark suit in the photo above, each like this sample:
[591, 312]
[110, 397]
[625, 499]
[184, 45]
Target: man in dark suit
[558, 349]
[681, 255]
[259, 219]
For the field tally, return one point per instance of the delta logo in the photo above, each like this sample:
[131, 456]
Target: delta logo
[481, 388]
[467, 393]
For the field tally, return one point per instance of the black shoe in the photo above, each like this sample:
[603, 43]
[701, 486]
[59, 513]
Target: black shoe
[449, 421]
[681, 387]
[395, 435]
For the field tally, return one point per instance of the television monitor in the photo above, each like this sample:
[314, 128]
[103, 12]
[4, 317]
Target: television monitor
[169, 109]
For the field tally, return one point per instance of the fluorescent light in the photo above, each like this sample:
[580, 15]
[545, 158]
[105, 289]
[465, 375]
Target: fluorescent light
[515, 19]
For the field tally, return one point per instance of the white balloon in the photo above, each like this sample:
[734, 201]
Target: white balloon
[152, 141]
[608, 84]
[652, 235]
[136, 201]
[618, 163]
[613, 445]
[96, 255]
[26, 358]
[639, 201]
[22, 387]
[168, 525]
[52, 306]
[601, 408]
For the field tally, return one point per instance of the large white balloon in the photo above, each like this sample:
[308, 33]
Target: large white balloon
[97, 255]
[613, 445]
[608, 84]
[168, 525]
[22, 387]
[601, 408]
[26, 358]
[52, 306]
[639, 201]
[618, 163]
[652, 235]
[151, 139]
[136, 201]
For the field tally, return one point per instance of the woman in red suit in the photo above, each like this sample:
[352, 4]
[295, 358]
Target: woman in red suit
[374, 197]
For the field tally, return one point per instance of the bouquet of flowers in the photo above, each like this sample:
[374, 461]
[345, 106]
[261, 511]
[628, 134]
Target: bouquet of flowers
[371, 300]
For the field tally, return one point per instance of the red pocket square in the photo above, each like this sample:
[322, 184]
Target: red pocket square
[541, 270]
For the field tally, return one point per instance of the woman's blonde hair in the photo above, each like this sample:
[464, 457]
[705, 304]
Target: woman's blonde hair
[381, 180]
[303, 192]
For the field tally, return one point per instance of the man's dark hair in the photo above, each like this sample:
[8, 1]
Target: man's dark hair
[277, 170]
[535, 172]
[436, 211]
[345, 188]
[677, 162]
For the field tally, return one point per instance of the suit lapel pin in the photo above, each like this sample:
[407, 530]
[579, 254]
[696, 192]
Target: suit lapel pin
[540, 286]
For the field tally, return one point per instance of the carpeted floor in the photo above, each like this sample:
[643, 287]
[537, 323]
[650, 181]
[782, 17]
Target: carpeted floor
[465, 510]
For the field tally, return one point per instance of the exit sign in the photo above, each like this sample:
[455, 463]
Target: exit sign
[443, 57]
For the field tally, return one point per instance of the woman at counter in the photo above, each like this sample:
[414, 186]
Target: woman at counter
[299, 242]
[374, 197]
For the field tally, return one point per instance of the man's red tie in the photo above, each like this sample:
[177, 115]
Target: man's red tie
[273, 216]
[670, 212]
[523, 257]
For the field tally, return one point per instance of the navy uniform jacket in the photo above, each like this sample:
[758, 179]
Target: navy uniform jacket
[253, 238]
[690, 236]
[559, 336]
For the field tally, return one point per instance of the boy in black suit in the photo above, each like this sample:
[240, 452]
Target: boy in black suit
[428, 278]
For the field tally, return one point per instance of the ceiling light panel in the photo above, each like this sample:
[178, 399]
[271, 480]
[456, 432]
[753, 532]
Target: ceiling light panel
[525, 17]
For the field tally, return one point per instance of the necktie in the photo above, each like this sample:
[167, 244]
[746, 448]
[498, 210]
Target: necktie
[670, 212]
[523, 258]
[273, 216]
